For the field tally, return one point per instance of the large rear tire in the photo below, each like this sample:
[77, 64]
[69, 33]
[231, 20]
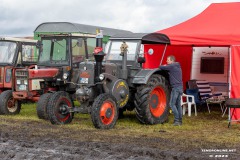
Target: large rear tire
[152, 101]
[42, 106]
[8, 105]
[104, 111]
[58, 108]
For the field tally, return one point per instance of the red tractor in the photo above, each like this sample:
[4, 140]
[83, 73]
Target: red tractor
[56, 70]
[116, 81]
[15, 53]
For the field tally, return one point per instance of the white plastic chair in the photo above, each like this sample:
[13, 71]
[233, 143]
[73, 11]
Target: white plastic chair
[188, 101]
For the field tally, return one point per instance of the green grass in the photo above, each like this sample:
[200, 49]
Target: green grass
[196, 131]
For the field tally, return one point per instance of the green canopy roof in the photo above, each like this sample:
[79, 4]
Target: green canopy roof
[68, 27]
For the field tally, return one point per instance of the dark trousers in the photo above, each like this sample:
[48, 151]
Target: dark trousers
[175, 103]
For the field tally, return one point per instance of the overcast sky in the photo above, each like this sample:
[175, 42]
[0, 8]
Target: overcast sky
[21, 17]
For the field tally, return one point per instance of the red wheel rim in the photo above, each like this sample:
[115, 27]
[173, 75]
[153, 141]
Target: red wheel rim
[157, 101]
[107, 112]
[64, 102]
[11, 105]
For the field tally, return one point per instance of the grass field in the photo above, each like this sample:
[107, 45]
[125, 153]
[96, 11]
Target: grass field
[200, 130]
[27, 137]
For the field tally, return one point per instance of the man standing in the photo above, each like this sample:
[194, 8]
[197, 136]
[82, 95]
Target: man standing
[175, 77]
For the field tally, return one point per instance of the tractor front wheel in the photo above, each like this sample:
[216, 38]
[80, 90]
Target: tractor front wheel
[8, 105]
[58, 108]
[42, 106]
[152, 101]
[104, 111]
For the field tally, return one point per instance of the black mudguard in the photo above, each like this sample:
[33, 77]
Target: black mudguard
[143, 75]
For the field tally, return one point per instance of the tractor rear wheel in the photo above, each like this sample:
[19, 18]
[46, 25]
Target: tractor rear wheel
[8, 105]
[58, 108]
[104, 111]
[152, 101]
[42, 106]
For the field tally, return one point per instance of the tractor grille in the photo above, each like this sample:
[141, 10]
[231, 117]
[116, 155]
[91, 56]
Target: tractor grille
[21, 80]
[86, 75]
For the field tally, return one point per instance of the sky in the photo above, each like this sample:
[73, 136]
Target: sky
[21, 17]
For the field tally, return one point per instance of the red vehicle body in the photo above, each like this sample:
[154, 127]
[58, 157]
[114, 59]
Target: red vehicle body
[34, 77]
[15, 53]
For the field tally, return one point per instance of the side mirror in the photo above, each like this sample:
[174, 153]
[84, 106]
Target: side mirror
[141, 60]
[39, 44]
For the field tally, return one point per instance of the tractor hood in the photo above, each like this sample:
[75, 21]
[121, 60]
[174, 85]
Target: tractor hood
[43, 73]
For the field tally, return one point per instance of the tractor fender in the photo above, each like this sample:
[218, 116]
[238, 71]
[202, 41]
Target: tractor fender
[143, 75]
[107, 82]
[118, 88]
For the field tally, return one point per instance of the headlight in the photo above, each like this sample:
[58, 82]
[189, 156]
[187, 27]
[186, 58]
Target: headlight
[25, 82]
[101, 77]
[65, 76]
[18, 81]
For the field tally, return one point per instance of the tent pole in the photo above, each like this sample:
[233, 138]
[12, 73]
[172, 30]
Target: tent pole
[163, 54]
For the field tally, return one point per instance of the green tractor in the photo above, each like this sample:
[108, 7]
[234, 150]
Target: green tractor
[117, 81]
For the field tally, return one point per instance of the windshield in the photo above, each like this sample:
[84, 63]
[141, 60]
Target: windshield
[29, 53]
[79, 48]
[114, 50]
[7, 51]
[54, 51]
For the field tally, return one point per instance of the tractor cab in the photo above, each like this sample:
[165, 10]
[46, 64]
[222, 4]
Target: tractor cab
[134, 58]
[135, 42]
[65, 50]
[18, 52]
